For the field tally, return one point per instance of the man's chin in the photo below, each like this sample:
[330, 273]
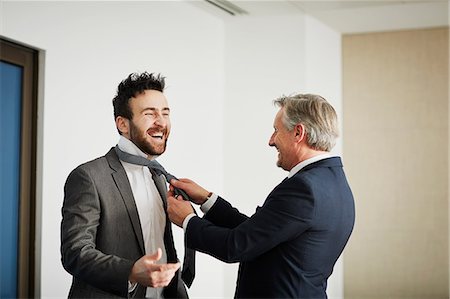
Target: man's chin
[156, 152]
[152, 150]
[280, 164]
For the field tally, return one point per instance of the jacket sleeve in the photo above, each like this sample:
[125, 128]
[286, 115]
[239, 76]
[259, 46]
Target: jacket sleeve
[286, 213]
[223, 214]
[81, 215]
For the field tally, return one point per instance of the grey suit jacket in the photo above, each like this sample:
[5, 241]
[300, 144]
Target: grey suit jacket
[101, 235]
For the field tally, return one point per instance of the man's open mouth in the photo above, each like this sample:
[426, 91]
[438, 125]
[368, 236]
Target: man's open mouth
[158, 136]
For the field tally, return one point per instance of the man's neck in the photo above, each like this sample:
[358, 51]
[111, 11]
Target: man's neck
[313, 157]
[310, 153]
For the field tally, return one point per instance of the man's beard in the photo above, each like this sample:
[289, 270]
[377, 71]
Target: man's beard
[139, 139]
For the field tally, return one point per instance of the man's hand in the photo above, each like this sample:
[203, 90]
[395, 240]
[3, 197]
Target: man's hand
[146, 272]
[197, 193]
[178, 208]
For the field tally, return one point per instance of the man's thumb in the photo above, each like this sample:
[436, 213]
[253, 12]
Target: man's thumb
[156, 256]
[175, 183]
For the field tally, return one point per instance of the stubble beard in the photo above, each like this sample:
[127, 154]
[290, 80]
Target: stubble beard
[139, 139]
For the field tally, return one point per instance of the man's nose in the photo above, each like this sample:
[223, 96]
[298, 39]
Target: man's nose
[160, 120]
[271, 142]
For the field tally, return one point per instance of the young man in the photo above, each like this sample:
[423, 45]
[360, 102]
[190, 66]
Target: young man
[116, 239]
[288, 248]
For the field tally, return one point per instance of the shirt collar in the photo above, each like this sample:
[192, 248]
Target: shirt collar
[306, 162]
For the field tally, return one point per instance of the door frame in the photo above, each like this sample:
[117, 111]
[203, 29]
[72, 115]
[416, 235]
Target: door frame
[27, 58]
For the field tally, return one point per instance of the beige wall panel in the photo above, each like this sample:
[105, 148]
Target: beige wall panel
[396, 120]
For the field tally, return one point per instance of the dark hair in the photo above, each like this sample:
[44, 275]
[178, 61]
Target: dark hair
[132, 86]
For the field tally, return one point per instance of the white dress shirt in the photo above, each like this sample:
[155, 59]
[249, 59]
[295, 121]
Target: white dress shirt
[149, 206]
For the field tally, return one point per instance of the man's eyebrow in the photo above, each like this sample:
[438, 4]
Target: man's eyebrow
[155, 109]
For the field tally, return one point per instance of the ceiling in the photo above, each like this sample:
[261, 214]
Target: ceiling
[343, 16]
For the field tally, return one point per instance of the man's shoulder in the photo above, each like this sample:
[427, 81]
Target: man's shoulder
[333, 161]
[318, 174]
[97, 170]
[320, 168]
[99, 163]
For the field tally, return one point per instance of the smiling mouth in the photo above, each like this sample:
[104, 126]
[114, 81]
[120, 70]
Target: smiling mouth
[158, 135]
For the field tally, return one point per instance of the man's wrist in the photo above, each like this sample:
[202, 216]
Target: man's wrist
[207, 197]
[209, 203]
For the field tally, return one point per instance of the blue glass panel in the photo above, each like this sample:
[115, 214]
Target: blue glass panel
[10, 120]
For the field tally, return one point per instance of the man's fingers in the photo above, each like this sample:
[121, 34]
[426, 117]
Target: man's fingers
[184, 180]
[170, 202]
[179, 197]
[181, 183]
[161, 275]
[176, 183]
[168, 267]
[164, 268]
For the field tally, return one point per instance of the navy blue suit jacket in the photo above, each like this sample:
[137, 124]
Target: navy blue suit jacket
[288, 248]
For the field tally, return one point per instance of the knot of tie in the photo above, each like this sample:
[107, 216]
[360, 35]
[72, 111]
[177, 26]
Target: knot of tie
[153, 165]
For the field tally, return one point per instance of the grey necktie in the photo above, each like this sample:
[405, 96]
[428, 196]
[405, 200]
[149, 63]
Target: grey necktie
[188, 272]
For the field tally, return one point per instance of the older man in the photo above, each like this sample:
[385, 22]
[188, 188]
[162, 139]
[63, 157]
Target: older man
[288, 248]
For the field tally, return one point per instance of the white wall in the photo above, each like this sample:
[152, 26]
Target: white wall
[264, 58]
[89, 49]
[222, 78]
[267, 57]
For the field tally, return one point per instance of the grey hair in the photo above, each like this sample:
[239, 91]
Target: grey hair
[317, 116]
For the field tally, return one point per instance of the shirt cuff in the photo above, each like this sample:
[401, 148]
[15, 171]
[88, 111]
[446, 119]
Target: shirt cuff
[131, 286]
[207, 205]
[186, 220]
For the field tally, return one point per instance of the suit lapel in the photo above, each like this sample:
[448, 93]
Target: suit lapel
[120, 178]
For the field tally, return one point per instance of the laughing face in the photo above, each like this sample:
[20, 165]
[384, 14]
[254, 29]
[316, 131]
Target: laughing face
[149, 128]
[285, 143]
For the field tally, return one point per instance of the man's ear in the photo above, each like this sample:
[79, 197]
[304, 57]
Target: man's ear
[300, 132]
[123, 125]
